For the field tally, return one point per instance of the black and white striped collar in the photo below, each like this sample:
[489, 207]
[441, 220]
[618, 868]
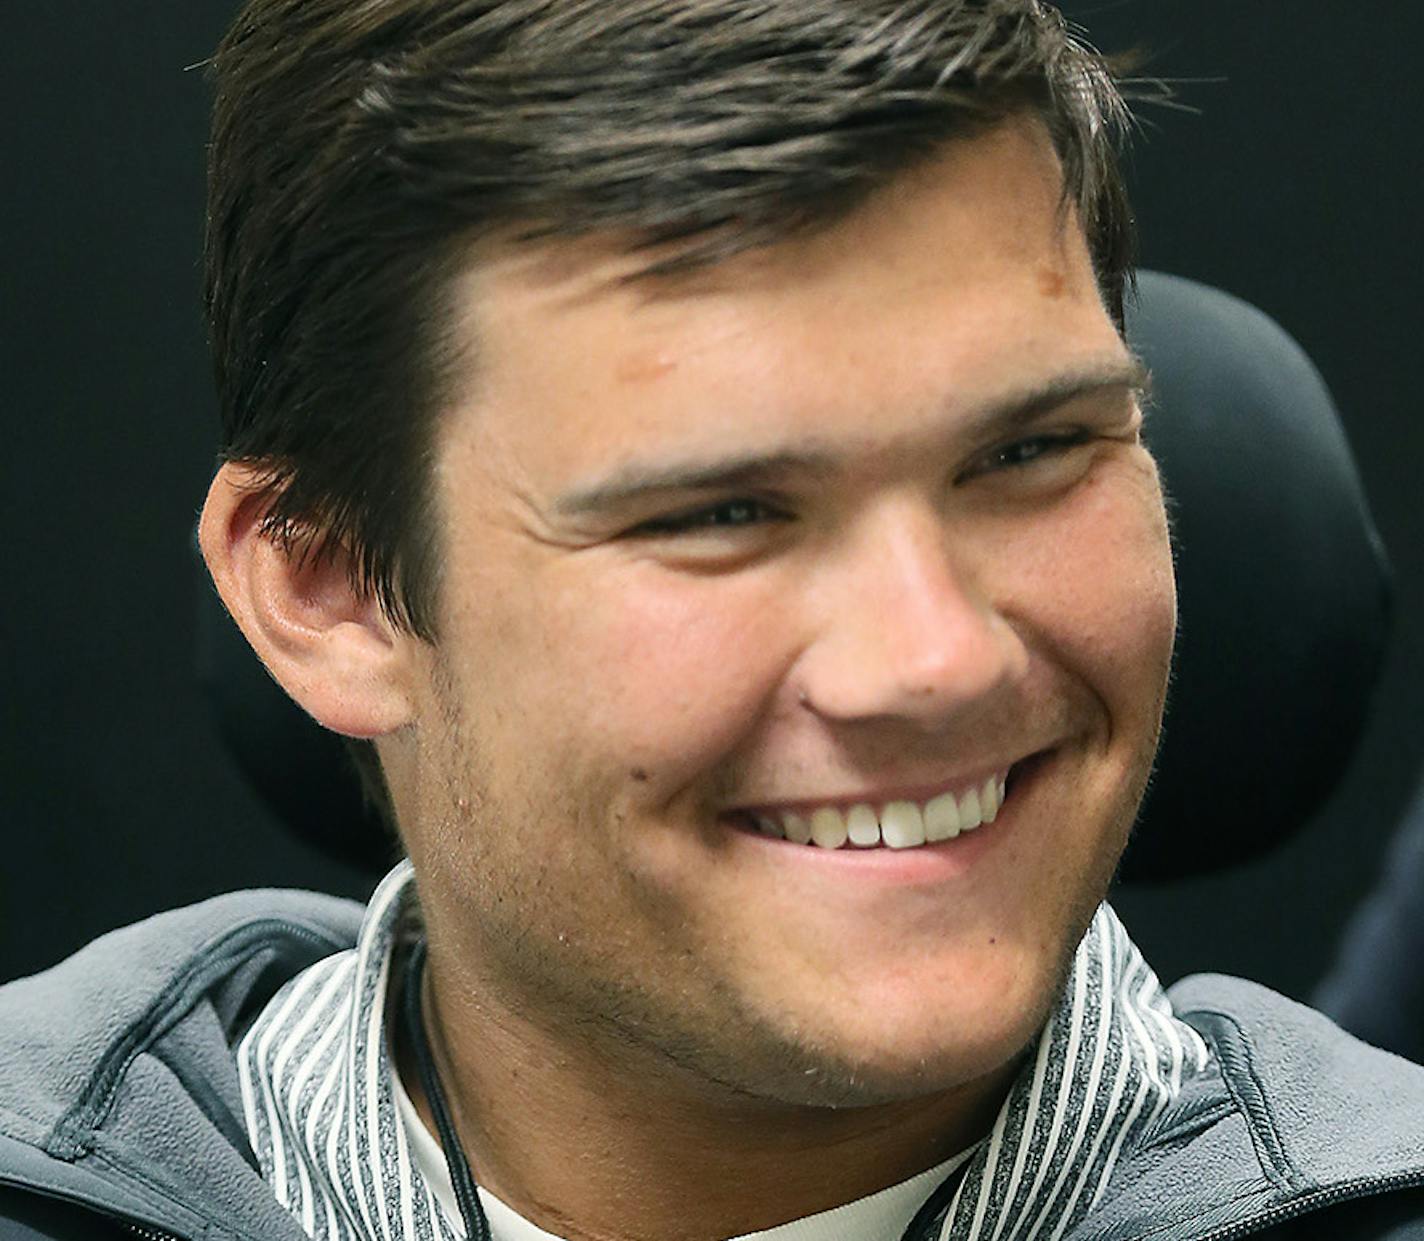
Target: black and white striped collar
[320, 1107]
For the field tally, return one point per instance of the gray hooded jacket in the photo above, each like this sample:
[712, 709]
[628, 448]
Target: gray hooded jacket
[120, 1114]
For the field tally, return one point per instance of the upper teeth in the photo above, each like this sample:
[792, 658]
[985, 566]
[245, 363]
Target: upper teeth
[897, 824]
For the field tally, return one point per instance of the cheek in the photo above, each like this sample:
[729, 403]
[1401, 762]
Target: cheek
[706, 655]
[673, 669]
[1095, 584]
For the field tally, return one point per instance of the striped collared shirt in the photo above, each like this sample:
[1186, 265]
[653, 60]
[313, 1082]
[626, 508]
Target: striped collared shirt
[319, 1097]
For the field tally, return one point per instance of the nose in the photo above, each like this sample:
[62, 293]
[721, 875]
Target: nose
[907, 629]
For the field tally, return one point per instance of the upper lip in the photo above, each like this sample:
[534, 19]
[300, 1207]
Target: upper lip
[884, 794]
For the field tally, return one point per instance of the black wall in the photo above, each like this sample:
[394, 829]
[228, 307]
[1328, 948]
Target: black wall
[1295, 184]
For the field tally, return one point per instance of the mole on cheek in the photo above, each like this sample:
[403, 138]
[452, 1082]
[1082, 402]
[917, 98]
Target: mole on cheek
[1052, 283]
[640, 775]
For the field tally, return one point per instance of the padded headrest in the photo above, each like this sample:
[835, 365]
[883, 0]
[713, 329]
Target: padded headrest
[1284, 590]
[1283, 585]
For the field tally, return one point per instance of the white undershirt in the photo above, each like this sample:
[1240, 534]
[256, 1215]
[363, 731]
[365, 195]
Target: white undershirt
[881, 1215]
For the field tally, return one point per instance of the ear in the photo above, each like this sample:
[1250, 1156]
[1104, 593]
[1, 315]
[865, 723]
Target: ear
[334, 651]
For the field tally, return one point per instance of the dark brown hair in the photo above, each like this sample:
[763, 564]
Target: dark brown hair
[361, 147]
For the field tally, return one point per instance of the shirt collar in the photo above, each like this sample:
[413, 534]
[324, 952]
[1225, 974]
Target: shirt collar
[323, 1106]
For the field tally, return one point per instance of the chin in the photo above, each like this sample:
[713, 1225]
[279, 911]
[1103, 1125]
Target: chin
[894, 1038]
[821, 1078]
[906, 1051]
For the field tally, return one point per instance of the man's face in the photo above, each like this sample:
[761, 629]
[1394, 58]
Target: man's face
[858, 519]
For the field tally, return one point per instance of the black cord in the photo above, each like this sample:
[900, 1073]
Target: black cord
[926, 1224]
[466, 1198]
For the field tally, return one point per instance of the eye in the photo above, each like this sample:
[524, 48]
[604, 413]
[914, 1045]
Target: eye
[1027, 452]
[728, 515]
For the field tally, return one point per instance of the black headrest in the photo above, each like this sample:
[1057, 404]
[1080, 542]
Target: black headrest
[1284, 590]
[1284, 596]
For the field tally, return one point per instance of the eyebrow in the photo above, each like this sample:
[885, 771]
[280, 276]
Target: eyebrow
[635, 482]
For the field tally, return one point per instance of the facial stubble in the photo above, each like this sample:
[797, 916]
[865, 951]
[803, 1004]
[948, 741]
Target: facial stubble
[583, 981]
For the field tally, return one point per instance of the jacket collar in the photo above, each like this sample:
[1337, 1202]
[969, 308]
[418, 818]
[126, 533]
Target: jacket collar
[118, 1088]
[1310, 1117]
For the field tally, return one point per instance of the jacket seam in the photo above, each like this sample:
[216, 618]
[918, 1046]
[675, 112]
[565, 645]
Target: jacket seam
[1238, 1071]
[73, 1133]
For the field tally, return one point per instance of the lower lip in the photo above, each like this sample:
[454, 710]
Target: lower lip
[921, 863]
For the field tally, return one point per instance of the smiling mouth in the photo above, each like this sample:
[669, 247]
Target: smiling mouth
[896, 824]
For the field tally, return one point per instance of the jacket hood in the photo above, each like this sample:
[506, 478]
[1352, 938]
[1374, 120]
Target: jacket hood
[119, 1088]
[1307, 1116]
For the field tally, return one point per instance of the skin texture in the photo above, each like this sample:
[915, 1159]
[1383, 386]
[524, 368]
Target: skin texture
[652, 1023]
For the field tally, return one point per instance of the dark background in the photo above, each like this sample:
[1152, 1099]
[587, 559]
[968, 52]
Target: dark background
[1295, 184]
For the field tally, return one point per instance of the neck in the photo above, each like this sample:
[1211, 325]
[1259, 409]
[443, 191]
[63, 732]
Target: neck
[593, 1147]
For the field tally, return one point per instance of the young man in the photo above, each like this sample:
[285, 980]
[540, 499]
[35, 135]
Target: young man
[692, 445]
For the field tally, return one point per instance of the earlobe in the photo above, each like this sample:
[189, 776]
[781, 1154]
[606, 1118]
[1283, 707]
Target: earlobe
[330, 647]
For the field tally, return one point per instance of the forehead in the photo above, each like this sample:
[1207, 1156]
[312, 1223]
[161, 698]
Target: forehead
[965, 277]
